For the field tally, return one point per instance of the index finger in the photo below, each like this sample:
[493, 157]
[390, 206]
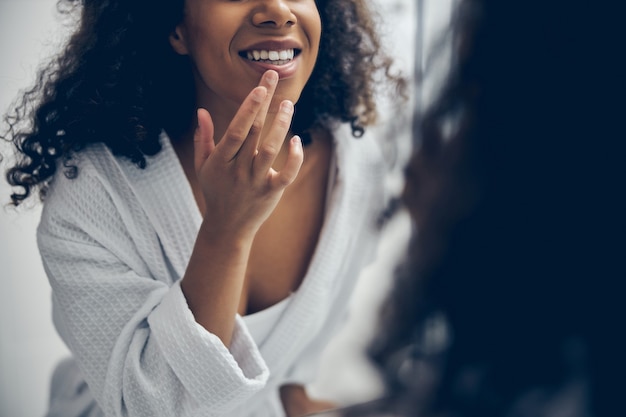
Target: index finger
[242, 124]
[270, 81]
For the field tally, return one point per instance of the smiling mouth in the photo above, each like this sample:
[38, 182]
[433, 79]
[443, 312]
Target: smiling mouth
[275, 57]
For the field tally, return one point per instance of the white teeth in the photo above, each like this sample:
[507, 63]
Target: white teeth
[279, 57]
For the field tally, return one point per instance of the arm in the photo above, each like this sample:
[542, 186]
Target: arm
[240, 189]
[137, 344]
[144, 347]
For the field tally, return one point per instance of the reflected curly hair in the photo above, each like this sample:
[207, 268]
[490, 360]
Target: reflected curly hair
[113, 85]
[507, 302]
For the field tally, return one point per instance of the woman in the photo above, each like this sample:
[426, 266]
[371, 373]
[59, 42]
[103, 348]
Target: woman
[200, 260]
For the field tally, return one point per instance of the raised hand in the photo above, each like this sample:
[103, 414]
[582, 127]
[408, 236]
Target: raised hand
[240, 190]
[240, 187]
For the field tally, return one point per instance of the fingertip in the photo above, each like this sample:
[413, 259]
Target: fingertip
[297, 148]
[203, 117]
[296, 141]
[200, 114]
[271, 76]
[259, 93]
[287, 106]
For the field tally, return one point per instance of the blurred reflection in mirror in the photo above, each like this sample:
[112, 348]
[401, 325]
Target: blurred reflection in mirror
[509, 302]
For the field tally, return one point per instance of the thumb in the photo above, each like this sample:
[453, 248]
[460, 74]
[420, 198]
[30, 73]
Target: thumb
[203, 142]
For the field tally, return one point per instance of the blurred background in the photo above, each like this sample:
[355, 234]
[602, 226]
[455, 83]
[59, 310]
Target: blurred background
[30, 31]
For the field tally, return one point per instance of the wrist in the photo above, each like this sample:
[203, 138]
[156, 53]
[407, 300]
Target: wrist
[215, 235]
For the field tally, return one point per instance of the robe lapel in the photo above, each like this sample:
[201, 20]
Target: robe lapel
[167, 199]
[310, 304]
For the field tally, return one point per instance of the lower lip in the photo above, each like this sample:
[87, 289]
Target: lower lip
[284, 71]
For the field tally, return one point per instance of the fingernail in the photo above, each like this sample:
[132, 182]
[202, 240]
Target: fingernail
[259, 94]
[297, 140]
[271, 77]
[286, 106]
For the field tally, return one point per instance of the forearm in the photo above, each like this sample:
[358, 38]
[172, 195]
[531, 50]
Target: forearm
[240, 190]
[138, 344]
[213, 281]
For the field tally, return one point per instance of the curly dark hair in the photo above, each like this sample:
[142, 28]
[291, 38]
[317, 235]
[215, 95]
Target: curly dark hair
[113, 84]
[507, 304]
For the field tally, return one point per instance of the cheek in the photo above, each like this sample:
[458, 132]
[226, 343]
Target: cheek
[316, 32]
[311, 21]
[207, 36]
[208, 53]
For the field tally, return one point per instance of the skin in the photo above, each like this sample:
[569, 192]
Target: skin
[261, 220]
[217, 31]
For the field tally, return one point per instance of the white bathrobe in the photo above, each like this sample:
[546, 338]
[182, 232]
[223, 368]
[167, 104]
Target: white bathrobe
[115, 242]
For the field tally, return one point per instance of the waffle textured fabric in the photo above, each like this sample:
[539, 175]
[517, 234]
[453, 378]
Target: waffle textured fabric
[115, 242]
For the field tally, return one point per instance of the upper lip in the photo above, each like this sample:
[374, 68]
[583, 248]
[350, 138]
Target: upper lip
[273, 45]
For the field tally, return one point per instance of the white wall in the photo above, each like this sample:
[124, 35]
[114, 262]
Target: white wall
[29, 346]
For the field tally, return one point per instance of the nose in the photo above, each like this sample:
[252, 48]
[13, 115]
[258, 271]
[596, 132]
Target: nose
[274, 13]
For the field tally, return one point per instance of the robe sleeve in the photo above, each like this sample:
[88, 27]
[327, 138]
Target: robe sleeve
[134, 338]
